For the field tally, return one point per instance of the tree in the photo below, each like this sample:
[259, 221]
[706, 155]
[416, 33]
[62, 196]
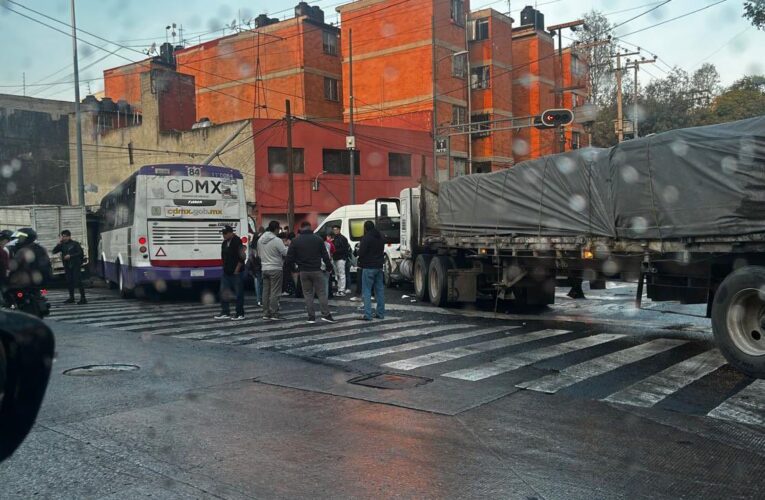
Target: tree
[754, 10]
[596, 48]
[744, 99]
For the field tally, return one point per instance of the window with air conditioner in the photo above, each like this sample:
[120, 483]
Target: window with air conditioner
[479, 77]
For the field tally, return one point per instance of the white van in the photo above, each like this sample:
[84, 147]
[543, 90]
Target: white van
[351, 219]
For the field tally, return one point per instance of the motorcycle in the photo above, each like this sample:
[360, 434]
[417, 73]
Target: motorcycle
[31, 301]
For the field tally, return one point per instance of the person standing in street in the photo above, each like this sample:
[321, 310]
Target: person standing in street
[371, 258]
[342, 253]
[272, 251]
[232, 281]
[308, 252]
[256, 269]
[72, 256]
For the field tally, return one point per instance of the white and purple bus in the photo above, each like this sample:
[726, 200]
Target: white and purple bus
[163, 224]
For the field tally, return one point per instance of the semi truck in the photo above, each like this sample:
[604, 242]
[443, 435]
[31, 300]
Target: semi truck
[48, 221]
[681, 213]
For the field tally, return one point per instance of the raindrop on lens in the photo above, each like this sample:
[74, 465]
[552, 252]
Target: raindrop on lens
[630, 174]
[577, 203]
[679, 147]
[670, 194]
[729, 165]
[639, 225]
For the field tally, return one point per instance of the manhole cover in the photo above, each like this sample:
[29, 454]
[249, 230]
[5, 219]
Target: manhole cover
[96, 370]
[390, 381]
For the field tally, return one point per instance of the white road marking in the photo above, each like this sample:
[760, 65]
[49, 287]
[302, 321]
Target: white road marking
[468, 350]
[262, 326]
[521, 359]
[657, 387]
[372, 353]
[376, 339]
[204, 320]
[331, 334]
[597, 366]
[748, 406]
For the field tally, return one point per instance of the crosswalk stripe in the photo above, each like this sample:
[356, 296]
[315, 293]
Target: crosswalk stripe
[146, 318]
[252, 327]
[374, 340]
[205, 323]
[352, 356]
[597, 366]
[468, 350]
[337, 329]
[374, 327]
[748, 406]
[95, 313]
[521, 359]
[201, 320]
[657, 387]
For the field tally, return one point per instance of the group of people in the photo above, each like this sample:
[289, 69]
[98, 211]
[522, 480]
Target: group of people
[280, 262]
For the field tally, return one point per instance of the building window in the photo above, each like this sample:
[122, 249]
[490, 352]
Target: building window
[576, 139]
[576, 67]
[399, 165]
[459, 65]
[481, 29]
[479, 77]
[458, 12]
[330, 89]
[338, 161]
[460, 166]
[574, 100]
[481, 167]
[277, 160]
[329, 40]
[481, 127]
[459, 115]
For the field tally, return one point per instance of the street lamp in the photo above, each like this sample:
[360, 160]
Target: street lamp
[315, 183]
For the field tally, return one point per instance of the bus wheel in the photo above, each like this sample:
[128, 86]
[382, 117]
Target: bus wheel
[738, 320]
[437, 280]
[421, 264]
[109, 283]
[125, 292]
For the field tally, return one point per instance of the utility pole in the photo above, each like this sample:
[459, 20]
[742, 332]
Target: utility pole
[77, 115]
[24, 84]
[619, 113]
[558, 28]
[435, 100]
[351, 142]
[290, 176]
[469, 97]
[636, 67]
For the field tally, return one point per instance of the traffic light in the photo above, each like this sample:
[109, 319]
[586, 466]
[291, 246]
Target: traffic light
[557, 117]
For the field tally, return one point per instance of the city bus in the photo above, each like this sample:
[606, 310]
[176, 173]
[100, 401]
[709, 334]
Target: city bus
[163, 225]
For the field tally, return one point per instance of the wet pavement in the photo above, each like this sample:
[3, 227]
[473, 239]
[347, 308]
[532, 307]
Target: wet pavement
[587, 399]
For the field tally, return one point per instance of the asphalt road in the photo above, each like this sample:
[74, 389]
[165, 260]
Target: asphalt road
[586, 399]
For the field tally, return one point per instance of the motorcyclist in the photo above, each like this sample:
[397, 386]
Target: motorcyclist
[29, 264]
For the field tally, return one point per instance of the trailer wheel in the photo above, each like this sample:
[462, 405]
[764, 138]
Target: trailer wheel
[388, 272]
[421, 264]
[437, 282]
[738, 319]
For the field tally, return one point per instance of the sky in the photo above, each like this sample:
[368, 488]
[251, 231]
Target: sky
[43, 56]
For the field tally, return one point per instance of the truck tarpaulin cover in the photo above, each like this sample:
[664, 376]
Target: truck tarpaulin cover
[703, 181]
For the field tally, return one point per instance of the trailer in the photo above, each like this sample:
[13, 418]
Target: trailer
[48, 221]
[682, 214]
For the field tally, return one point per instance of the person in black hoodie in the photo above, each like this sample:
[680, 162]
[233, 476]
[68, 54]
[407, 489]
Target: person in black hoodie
[307, 251]
[232, 253]
[371, 259]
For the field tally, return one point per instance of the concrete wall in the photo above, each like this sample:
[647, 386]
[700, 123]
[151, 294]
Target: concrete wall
[107, 153]
[34, 150]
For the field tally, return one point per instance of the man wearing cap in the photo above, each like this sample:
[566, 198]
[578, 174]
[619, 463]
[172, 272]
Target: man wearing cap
[232, 254]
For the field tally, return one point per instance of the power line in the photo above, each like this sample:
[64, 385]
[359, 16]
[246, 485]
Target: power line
[674, 18]
[640, 15]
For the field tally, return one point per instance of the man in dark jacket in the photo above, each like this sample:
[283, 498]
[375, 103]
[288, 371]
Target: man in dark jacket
[371, 259]
[5, 237]
[232, 254]
[339, 258]
[308, 252]
[72, 256]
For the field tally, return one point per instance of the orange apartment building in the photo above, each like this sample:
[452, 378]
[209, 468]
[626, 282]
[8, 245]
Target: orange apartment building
[409, 71]
[250, 74]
